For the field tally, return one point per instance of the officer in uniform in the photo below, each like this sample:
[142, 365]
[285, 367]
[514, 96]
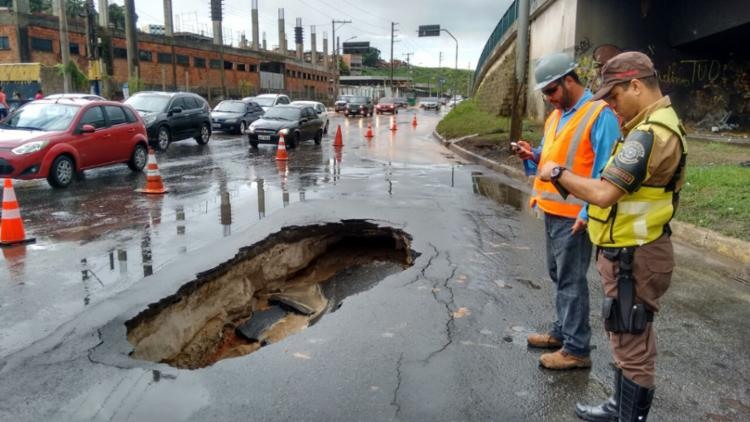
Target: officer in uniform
[629, 212]
[580, 133]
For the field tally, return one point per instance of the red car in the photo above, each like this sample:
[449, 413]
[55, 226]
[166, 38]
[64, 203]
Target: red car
[57, 139]
[386, 105]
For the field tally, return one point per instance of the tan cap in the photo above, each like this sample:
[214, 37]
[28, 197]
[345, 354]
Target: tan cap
[624, 67]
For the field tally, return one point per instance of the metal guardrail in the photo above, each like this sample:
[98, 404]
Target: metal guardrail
[502, 27]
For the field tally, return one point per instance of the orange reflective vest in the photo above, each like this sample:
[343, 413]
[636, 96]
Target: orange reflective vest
[571, 148]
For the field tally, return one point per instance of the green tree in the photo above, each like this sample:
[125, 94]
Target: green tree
[117, 16]
[75, 8]
[343, 68]
[371, 57]
[40, 6]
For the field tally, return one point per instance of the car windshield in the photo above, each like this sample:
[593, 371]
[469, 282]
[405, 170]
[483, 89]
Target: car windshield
[148, 103]
[386, 100]
[344, 98]
[283, 113]
[264, 101]
[47, 117]
[231, 106]
[358, 100]
[429, 100]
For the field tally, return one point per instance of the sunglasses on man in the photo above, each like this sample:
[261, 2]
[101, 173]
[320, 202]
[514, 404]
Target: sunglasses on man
[550, 89]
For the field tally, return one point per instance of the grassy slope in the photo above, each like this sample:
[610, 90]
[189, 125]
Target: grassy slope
[423, 75]
[716, 195]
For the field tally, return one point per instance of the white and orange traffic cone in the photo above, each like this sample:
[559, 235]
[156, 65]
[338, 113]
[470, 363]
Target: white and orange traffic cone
[393, 123]
[339, 141]
[414, 121]
[369, 134]
[11, 227]
[281, 154]
[154, 184]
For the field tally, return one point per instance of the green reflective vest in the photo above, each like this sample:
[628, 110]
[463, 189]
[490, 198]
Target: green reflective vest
[639, 217]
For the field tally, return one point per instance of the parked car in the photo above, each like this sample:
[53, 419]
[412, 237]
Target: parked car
[320, 110]
[173, 116]
[359, 106]
[57, 139]
[429, 103]
[386, 105]
[80, 96]
[296, 123]
[401, 102]
[268, 100]
[341, 103]
[235, 116]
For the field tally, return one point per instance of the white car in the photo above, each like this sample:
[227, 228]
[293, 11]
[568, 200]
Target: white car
[267, 101]
[320, 110]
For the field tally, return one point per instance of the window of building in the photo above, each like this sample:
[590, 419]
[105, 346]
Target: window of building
[41, 44]
[183, 60]
[198, 62]
[75, 49]
[253, 68]
[120, 53]
[145, 56]
[241, 67]
[215, 64]
[164, 57]
[4, 43]
[228, 65]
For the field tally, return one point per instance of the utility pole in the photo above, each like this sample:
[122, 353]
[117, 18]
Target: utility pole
[132, 42]
[335, 57]
[64, 45]
[440, 72]
[393, 30]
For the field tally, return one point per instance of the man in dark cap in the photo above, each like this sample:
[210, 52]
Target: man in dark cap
[630, 208]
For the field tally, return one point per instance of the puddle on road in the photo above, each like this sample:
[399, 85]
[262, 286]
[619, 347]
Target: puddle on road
[268, 291]
[501, 191]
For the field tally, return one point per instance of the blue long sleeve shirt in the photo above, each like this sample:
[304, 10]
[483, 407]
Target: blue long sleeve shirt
[604, 134]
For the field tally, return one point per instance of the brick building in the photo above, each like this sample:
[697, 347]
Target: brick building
[184, 62]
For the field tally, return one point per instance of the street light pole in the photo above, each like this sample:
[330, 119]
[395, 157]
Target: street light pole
[456, 65]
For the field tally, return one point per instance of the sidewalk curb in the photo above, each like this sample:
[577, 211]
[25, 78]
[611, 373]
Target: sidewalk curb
[729, 247]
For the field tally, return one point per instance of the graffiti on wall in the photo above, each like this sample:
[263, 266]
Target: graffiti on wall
[710, 93]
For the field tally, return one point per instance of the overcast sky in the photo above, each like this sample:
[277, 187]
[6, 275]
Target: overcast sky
[470, 21]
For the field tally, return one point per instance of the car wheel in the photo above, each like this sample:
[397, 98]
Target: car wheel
[163, 138]
[294, 141]
[139, 158]
[318, 136]
[254, 144]
[205, 135]
[325, 129]
[243, 127]
[61, 172]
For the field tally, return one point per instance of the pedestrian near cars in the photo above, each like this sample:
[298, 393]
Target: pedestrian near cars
[39, 95]
[580, 133]
[630, 208]
[3, 104]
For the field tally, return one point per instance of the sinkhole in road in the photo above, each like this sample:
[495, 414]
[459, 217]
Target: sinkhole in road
[268, 291]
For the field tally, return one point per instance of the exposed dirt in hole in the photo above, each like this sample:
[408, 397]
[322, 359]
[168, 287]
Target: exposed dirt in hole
[287, 282]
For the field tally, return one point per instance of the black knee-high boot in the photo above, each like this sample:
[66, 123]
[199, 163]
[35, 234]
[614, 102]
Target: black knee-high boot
[635, 401]
[604, 412]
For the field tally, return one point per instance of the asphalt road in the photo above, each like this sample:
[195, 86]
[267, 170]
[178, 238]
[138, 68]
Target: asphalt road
[443, 339]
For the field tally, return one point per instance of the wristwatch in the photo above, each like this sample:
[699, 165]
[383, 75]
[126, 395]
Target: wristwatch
[557, 172]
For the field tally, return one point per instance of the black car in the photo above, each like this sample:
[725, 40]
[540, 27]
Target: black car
[172, 116]
[341, 103]
[296, 123]
[359, 106]
[235, 116]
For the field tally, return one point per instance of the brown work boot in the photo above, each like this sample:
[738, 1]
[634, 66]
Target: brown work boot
[564, 360]
[543, 341]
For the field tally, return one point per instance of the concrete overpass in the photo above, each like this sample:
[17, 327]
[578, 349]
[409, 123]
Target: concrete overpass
[700, 49]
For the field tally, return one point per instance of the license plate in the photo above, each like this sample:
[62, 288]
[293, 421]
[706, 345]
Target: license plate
[264, 137]
[217, 125]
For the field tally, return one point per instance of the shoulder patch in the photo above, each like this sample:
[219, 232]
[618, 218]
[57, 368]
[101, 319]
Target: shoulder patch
[630, 166]
[631, 152]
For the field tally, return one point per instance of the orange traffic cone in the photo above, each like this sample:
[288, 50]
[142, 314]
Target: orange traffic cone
[414, 121]
[281, 154]
[369, 131]
[337, 154]
[393, 123]
[11, 228]
[339, 141]
[154, 183]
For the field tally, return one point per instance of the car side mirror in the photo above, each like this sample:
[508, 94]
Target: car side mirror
[88, 129]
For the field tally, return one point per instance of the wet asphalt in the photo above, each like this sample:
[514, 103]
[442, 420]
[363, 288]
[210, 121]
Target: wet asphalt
[441, 340]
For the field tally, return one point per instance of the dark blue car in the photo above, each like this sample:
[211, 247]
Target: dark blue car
[235, 116]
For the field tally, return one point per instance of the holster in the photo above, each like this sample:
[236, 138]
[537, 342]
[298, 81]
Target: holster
[622, 314]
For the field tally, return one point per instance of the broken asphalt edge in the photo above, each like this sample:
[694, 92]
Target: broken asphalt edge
[735, 249]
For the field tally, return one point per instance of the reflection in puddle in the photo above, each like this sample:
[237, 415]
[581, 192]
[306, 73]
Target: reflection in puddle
[501, 190]
[270, 290]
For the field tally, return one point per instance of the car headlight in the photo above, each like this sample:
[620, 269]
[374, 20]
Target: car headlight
[284, 131]
[30, 147]
[149, 119]
[250, 129]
